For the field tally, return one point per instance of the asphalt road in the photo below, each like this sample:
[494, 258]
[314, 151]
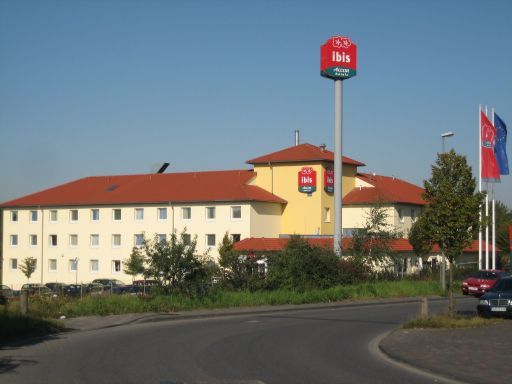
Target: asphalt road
[314, 346]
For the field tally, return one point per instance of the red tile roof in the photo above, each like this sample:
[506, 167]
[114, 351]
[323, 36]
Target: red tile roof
[219, 186]
[385, 190]
[299, 154]
[265, 244]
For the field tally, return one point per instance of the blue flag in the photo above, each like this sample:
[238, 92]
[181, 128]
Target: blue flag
[500, 146]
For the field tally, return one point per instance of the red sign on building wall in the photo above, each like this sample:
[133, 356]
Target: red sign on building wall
[307, 180]
[329, 180]
[338, 58]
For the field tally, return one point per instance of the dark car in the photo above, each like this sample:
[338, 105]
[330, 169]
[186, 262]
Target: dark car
[57, 288]
[6, 291]
[6, 294]
[482, 281]
[36, 289]
[142, 286]
[112, 285]
[498, 301]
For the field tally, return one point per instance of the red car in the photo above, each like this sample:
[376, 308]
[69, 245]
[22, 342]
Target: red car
[482, 281]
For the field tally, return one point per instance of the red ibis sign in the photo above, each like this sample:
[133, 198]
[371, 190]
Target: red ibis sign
[329, 180]
[338, 58]
[307, 180]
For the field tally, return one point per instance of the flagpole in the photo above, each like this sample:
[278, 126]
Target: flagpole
[480, 182]
[493, 215]
[486, 217]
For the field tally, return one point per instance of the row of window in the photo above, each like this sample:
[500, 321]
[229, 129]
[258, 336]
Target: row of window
[94, 240]
[73, 265]
[186, 214]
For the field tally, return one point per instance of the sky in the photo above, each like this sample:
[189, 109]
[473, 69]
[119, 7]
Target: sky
[108, 87]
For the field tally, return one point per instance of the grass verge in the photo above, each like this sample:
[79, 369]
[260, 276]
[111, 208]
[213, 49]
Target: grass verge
[446, 321]
[118, 304]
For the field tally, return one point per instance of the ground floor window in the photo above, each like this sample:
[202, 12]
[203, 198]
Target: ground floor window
[73, 265]
[210, 240]
[14, 264]
[116, 266]
[95, 265]
[52, 265]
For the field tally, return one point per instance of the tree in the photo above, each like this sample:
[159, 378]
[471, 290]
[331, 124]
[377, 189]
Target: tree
[503, 222]
[175, 265]
[373, 244]
[418, 238]
[28, 266]
[134, 265]
[238, 271]
[451, 216]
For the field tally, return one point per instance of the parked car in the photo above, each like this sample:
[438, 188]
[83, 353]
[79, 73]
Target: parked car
[112, 285]
[142, 286]
[6, 291]
[57, 288]
[482, 281]
[498, 301]
[36, 289]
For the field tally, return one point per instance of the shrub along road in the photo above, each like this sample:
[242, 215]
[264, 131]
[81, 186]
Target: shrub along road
[328, 345]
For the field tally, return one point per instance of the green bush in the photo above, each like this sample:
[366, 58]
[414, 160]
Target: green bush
[301, 266]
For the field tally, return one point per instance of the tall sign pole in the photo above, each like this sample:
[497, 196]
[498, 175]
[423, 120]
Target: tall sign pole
[510, 255]
[338, 61]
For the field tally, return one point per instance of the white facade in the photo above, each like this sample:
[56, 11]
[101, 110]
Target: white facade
[79, 244]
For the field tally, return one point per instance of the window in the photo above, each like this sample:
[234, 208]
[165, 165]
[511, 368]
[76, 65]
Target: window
[33, 240]
[73, 264]
[186, 213]
[33, 216]
[210, 213]
[236, 212]
[116, 266]
[187, 239]
[73, 215]
[94, 265]
[400, 215]
[95, 214]
[14, 240]
[116, 241]
[162, 214]
[53, 216]
[139, 214]
[210, 240]
[413, 215]
[53, 240]
[327, 215]
[162, 237]
[116, 214]
[14, 264]
[73, 240]
[95, 240]
[52, 265]
[14, 216]
[139, 240]
[235, 237]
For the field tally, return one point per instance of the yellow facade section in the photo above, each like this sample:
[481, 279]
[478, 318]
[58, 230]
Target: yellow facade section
[304, 214]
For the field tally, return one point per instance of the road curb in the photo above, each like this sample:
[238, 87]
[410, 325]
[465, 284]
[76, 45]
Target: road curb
[379, 352]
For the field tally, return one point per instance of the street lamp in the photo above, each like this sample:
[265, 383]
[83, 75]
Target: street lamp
[443, 261]
[444, 136]
[76, 270]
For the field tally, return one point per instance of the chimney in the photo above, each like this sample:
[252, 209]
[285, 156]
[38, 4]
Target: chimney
[297, 141]
[322, 147]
